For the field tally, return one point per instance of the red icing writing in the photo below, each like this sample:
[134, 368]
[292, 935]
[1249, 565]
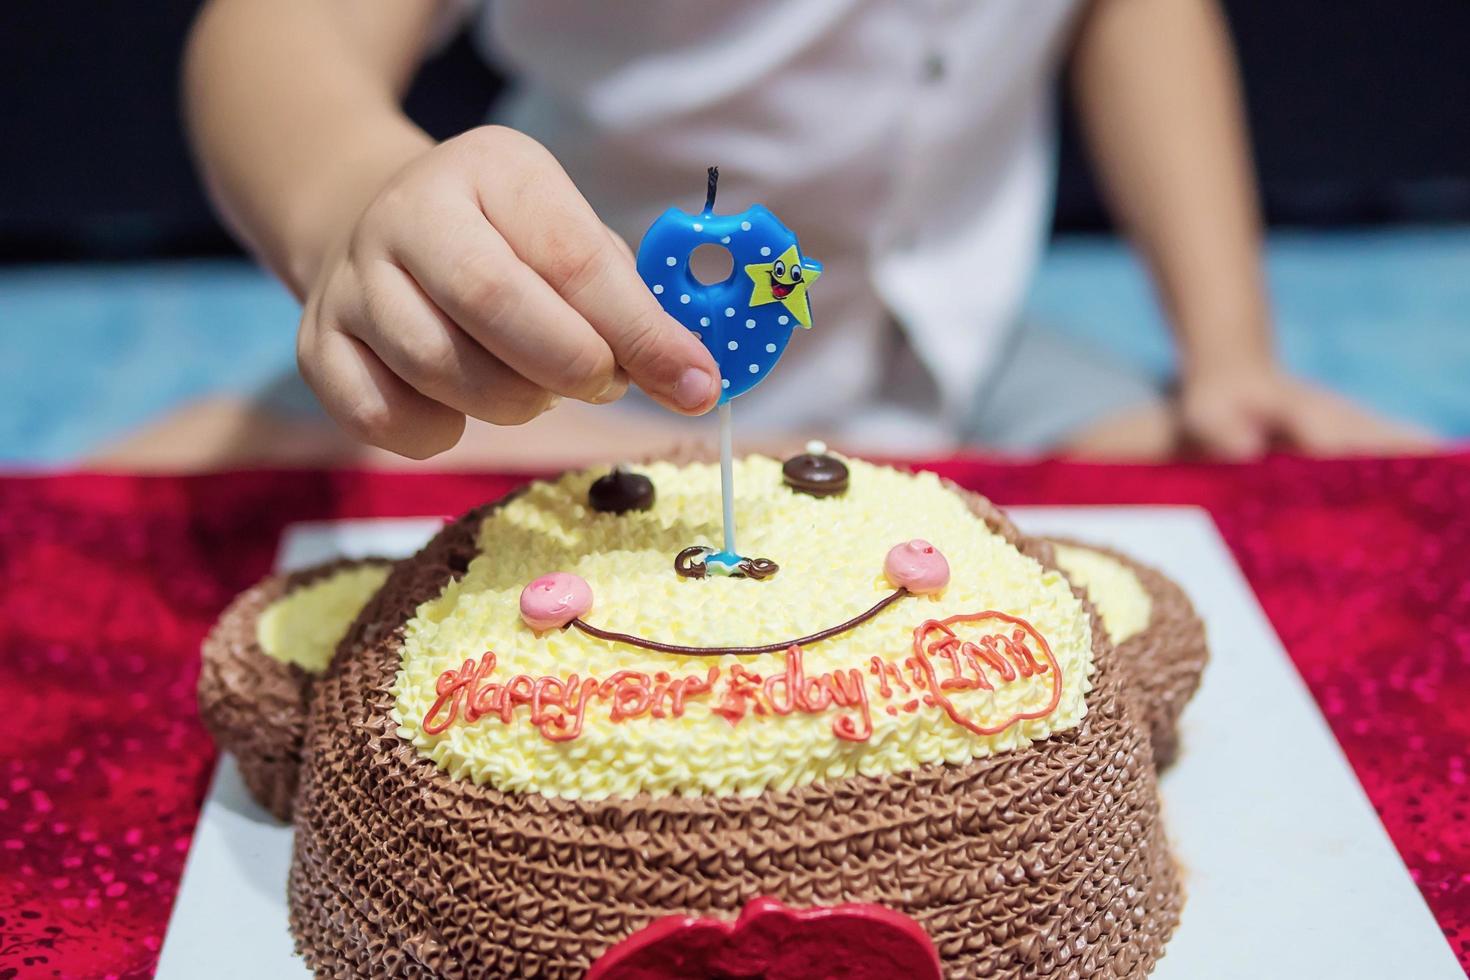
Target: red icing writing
[1003, 650]
[791, 690]
[557, 707]
[1006, 656]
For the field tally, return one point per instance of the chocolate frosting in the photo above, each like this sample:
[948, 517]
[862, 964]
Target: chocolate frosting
[254, 705]
[1046, 861]
[1164, 661]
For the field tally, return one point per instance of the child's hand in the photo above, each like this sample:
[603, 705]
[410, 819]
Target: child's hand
[1241, 413]
[479, 282]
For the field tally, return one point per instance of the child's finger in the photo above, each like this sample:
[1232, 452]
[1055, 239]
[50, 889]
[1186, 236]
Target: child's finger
[469, 271]
[424, 347]
[1231, 434]
[623, 247]
[555, 232]
[371, 403]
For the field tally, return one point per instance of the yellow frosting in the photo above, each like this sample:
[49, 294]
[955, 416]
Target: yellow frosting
[1121, 600]
[831, 552]
[305, 627]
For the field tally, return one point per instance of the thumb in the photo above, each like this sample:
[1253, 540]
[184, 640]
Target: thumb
[665, 360]
[656, 351]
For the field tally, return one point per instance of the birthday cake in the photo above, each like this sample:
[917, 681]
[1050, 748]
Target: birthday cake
[569, 736]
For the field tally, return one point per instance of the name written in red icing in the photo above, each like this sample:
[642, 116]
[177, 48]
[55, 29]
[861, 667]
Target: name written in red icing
[984, 651]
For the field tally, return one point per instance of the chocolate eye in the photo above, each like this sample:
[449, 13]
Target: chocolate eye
[815, 473]
[779, 269]
[796, 273]
[620, 491]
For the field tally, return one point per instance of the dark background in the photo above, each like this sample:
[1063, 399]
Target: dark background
[1360, 112]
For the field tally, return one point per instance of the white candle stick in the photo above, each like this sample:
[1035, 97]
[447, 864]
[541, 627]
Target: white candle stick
[727, 476]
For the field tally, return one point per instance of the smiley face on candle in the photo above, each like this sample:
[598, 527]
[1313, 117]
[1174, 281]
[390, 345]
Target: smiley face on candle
[784, 281]
[746, 320]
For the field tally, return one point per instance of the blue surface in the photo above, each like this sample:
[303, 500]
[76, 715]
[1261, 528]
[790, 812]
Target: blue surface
[89, 353]
[1381, 316]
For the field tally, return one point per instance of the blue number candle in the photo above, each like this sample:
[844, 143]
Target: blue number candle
[746, 320]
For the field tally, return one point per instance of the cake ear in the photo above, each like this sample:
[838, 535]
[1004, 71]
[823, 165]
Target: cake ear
[1163, 661]
[260, 663]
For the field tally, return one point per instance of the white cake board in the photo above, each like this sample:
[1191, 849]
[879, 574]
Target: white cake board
[1288, 871]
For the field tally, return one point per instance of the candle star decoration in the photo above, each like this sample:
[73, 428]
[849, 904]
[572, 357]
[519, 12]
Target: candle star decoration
[745, 332]
[785, 281]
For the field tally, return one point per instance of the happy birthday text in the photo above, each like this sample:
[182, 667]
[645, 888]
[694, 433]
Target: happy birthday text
[983, 651]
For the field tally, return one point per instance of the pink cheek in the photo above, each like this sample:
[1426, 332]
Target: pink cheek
[552, 601]
[917, 566]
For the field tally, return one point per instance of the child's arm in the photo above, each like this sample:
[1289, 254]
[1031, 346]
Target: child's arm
[1157, 90]
[468, 278]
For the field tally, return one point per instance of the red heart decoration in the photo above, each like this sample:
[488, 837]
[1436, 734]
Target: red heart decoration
[772, 942]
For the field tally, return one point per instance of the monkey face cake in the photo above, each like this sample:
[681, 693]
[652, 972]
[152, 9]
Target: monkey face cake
[567, 737]
[568, 714]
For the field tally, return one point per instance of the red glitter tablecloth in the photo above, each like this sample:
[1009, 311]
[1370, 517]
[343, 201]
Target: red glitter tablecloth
[109, 583]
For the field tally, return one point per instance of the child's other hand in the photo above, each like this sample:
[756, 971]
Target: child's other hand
[480, 283]
[1241, 413]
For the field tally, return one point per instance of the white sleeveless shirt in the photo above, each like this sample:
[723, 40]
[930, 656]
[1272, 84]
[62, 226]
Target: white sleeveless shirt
[908, 143]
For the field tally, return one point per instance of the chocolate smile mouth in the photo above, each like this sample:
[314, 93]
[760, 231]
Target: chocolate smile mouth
[778, 647]
[781, 290]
